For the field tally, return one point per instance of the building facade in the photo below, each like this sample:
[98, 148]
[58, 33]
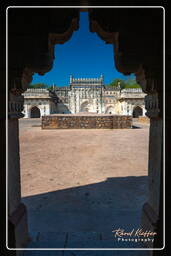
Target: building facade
[88, 95]
[37, 103]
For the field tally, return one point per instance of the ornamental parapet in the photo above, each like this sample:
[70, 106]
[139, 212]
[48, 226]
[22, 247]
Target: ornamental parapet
[132, 93]
[34, 92]
[86, 81]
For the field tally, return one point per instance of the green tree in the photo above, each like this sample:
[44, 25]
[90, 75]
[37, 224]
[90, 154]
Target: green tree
[51, 87]
[38, 86]
[117, 82]
[130, 83]
[133, 86]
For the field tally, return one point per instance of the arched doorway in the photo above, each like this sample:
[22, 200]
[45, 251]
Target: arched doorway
[84, 107]
[35, 112]
[110, 110]
[137, 111]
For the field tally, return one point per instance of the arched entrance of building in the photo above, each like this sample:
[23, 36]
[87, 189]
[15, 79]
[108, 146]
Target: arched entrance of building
[109, 110]
[35, 112]
[137, 111]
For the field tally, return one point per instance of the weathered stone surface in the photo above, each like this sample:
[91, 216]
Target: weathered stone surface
[86, 122]
[143, 119]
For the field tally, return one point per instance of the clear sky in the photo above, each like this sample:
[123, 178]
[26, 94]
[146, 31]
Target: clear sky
[85, 55]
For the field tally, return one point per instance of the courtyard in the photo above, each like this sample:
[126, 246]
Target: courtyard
[82, 181]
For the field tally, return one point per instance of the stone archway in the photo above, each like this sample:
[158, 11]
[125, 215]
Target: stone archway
[109, 110]
[84, 107]
[35, 112]
[137, 111]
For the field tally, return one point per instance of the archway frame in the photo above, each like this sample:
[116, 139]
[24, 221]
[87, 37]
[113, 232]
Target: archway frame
[148, 75]
[109, 107]
[139, 107]
[84, 105]
[31, 108]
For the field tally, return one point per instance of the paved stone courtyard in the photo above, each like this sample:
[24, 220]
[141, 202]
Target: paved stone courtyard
[79, 185]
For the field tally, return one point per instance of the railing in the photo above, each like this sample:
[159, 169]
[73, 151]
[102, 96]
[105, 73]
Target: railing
[132, 90]
[86, 80]
[132, 93]
[36, 92]
[66, 88]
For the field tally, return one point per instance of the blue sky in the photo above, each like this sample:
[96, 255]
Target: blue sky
[85, 55]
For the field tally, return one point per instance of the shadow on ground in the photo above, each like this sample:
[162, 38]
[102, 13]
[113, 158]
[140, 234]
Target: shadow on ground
[135, 127]
[87, 213]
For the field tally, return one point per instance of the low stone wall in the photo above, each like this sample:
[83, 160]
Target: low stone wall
[144, 119]
[86, 122]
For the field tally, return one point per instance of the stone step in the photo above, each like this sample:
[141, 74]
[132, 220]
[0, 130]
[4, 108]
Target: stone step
[73, 240]
[81, 252]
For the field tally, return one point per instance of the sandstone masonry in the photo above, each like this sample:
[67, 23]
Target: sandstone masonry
[86, 122]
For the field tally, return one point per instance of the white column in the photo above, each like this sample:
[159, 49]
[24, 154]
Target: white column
[47, 109]
[24, 111]
[144, 110]
[27, 111]
[125, 108]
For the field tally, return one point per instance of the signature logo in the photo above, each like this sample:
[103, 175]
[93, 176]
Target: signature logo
[134, 235]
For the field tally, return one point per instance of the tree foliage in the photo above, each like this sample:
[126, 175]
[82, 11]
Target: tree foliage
[41, 86]
[130, 83]
[38, 86]
[116, 82]
[52, 87]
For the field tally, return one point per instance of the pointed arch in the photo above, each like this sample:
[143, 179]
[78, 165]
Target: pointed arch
[84, 107]
[109, 110]
[35, 112]
[137, 111]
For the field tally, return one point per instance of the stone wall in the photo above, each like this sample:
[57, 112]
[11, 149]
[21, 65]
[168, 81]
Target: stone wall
[86, 122]
[143, 119]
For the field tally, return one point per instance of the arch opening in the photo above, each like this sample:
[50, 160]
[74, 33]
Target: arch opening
[137, 111]
[109, 110]
[35, 112]
[84, 107]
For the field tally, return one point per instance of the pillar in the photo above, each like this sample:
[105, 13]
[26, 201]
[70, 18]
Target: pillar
[16, 209]
[30, 50]
[144, 111]
[152, 212]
